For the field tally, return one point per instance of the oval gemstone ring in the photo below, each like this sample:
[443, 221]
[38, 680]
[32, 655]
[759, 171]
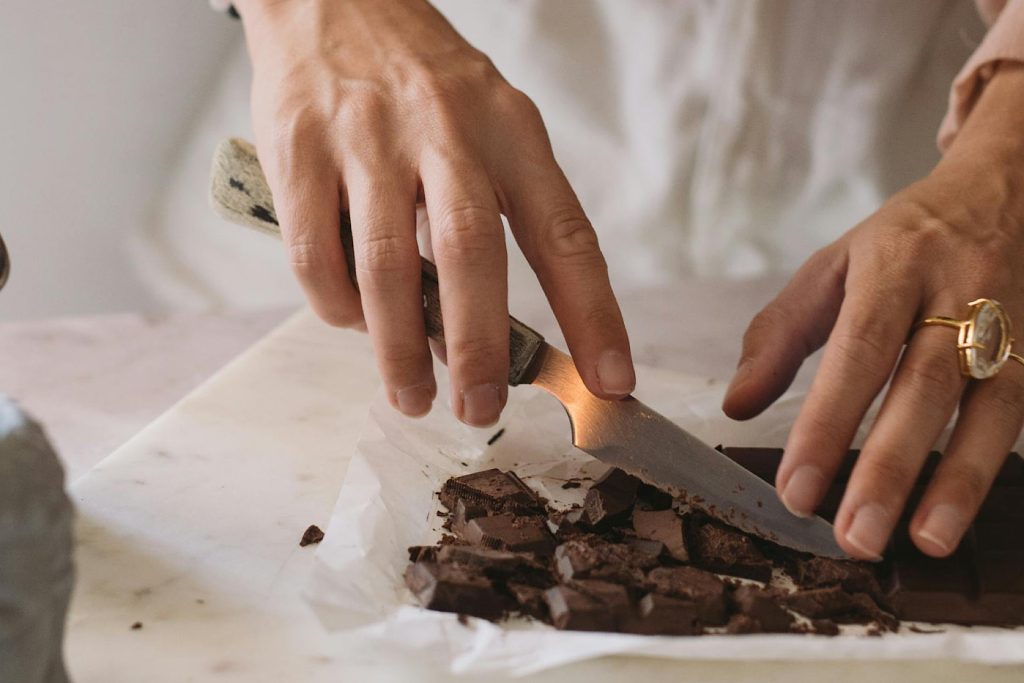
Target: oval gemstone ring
[984, 341]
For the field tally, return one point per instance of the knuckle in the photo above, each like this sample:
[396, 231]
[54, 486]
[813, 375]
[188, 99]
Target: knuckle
[308, 260]
[463, 234]
[887, 471]
[861, 349]
[384, 254]
[568, 236]
[935, 381]
[1002, 396]
[967, 482]
[475, 351]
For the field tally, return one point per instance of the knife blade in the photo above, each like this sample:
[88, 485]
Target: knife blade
[626, 434]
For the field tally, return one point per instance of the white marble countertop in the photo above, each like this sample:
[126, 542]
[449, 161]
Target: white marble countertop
[191, 528]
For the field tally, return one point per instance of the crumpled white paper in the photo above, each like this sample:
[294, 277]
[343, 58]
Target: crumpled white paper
[387, 504]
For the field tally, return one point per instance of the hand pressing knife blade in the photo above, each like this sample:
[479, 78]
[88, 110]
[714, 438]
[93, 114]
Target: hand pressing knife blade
[626, 433]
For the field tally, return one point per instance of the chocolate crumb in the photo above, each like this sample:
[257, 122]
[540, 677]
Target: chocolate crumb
[312, 534]
[497, 435]
[137, 625]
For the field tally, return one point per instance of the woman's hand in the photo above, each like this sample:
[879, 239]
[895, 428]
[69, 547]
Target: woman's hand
[373, 106]
[951, 238]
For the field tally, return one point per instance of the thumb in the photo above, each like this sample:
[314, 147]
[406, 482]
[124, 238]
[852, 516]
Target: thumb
[785, 332]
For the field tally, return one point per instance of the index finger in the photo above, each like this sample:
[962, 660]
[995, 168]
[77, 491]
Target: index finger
[561, 246]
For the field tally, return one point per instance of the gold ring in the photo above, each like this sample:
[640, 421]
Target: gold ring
[984, 338]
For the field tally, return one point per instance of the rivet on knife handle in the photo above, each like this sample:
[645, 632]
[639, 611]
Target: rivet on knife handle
[239, 193]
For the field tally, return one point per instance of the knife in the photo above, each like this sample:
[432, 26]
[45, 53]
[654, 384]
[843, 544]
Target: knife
[625, 433]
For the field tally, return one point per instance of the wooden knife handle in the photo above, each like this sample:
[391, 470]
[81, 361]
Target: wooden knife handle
[239, 193]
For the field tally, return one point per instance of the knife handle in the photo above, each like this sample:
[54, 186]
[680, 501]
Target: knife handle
[240, 194]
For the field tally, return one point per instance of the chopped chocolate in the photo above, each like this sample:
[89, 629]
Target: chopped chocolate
[529, 599]
[574, 484]
[854, 577]
[573, 610]
[664, 526]
[137, 626]
[836, 604]
[763, 608]
[729, 551]
[660, 615]
[312, 534]
[652, 498]
[422, 553]
[594, 558]
[455, 588]
[742, 623]
[610, 498]
[627, 541]
[497, 435]
[510, 532]
[491, 490]
[651, 549]
[702, 588]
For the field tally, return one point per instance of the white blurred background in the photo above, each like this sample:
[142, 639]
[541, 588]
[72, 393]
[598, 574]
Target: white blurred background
[97, 99]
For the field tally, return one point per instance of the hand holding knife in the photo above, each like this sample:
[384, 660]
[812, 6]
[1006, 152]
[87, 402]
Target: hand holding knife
[626, 434]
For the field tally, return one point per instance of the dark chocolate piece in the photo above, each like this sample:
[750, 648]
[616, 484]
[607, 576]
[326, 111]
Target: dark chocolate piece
[492, 490]
[610, 498]
[836, 604]
[574, 610]
[762, 606]
[742, 623]
[660, 615]
[422, 553]
[664, 526]
[705, 590]
[652, 498]
[854, 577]
[312, 534]
[529, 599]
[589, 557]
[727, 550]
[455, 588]
[510, 532]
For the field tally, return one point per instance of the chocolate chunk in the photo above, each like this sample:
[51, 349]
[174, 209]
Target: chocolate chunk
[492, 490]
[763, 607]
[422, 553]
[651, 549]
[836, 604]
[455, 588]
[530, 599]
[742, 623]
[575, 610]
[664, 526]
[652, 498]
[510, 532]
[854, 577]
[312, 534]
[729, 551]
[660, 615]
[590, 557]
[705, 590]
[610, 498]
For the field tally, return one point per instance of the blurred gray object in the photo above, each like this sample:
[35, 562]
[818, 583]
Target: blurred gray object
[5, 263]
[36, 569]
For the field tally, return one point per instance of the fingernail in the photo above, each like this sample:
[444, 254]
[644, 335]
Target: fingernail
[481, 405]
[869, 530]
[803, 490]
[415, 401]
[615, 373]
[943, 526]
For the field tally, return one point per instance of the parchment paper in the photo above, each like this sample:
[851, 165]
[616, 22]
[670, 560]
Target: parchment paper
[387, 504]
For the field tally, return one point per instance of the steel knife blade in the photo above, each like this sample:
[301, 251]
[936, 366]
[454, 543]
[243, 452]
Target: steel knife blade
[626, 434]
